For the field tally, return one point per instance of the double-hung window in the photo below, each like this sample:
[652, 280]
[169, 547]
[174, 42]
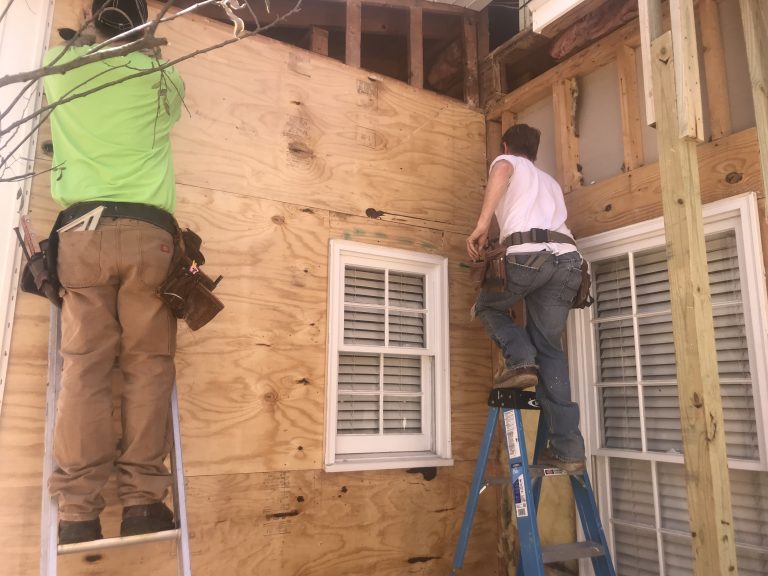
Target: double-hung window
[623, 365]
[387, 402]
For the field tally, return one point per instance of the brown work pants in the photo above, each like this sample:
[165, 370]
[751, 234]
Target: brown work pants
[110, 311]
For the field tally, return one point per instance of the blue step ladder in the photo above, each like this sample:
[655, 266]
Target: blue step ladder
[526, 486]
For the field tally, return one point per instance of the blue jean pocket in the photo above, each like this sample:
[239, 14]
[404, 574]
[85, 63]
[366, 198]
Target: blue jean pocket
[519, 276]
[571, 284]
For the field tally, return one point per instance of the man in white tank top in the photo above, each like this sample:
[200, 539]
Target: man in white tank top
[543, 267]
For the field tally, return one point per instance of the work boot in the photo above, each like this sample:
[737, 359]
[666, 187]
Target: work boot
[549, 459]
[74, 531]
[146, 518]
[519, 378]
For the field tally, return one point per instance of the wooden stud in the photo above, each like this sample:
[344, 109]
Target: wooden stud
[566, 142]
[416, 47]
[493, 132]
[650, 29]
[471, 87]
[632, 131]
[318, 41]
[354, 23]
[688, 78]
[508, 119]
[483, 36]
[714, 64]
[701, 411]
[754, 17]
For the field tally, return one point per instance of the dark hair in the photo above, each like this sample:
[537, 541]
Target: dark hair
[522, 140]
[113, 17]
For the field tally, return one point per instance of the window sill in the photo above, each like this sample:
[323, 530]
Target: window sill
[361, 462]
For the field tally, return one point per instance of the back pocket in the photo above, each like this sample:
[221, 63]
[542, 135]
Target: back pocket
[79, 258]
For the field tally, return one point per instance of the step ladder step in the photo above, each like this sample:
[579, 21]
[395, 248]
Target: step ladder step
[106, 543]
[572, 551]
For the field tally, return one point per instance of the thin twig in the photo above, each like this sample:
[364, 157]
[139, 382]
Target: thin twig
[6, 9]
[29, 174]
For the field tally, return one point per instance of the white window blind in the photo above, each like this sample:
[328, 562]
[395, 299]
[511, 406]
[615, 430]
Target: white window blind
[626, 338]
[623, 364]
[387, 354]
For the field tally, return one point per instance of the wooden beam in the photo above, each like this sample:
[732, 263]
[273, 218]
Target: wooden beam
[714, 65]
[416, 47]
[650, 29]
[754, 17]
[471, 87]
[632, 130]
[354, 23]
[318, 40]
[598, 54]
[688, 78]
[701, 411]
[564, 96]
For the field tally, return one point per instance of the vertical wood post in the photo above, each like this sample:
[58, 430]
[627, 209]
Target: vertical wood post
[566, 142]
[714, 65]
[354, 24]
[687, 76]
[754, 15]
[701, 413]
[493, 132]
[416, 47]
[650, 28]
[471, 88]
[318, 41]
[632, 130]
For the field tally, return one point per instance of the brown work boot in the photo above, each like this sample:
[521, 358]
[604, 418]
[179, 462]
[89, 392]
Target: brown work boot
[75, 531]
[548, 458]
[519, 378]
[146, 518]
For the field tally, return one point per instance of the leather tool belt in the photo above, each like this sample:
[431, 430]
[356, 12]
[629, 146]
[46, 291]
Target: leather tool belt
[537, 236]
[142, 212]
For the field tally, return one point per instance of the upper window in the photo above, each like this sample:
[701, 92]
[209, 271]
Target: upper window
[387, 403]
[623, 363]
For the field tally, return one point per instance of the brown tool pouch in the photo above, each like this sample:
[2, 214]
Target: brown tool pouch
[36, 279]
[583, 298]
[490, 273]
[188, 291]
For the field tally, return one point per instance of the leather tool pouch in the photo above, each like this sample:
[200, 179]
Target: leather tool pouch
[35, 278]
[583, 297]
[188, 291]
[490, 273]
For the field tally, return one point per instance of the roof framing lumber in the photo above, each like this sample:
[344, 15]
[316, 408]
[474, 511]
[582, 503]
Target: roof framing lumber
[416, 46]
[714, 66]
[650, 28]
[471, 85]
[632, 130]
[354, 23]
[701, 412]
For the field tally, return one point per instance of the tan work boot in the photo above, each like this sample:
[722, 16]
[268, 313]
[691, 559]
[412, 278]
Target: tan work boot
[518, 378]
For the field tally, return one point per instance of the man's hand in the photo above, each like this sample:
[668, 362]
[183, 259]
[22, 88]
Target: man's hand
[476, 242]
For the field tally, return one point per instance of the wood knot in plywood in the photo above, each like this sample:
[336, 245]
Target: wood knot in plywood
[420, 559]
[279, 220]
[696, 400]
[280, 515]
[304, 381]
[734, 177]
[373, 213]
[270, 397]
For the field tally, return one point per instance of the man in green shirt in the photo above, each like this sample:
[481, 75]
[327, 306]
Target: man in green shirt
[112, 149]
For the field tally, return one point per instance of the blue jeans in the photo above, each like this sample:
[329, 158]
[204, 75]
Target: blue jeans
[548, 292]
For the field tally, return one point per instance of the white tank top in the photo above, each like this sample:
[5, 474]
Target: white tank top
[533, 200]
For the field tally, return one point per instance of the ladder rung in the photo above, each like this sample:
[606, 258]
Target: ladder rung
[572, 551]
[105, 543]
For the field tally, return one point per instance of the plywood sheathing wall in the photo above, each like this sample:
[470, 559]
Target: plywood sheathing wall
[283, 151]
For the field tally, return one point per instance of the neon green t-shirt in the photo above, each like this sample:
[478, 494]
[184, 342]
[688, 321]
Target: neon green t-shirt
[113, 144]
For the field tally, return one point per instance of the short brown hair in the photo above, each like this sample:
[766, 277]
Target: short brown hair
[522, 140]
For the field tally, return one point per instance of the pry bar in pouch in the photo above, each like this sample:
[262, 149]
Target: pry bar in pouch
[35, 276]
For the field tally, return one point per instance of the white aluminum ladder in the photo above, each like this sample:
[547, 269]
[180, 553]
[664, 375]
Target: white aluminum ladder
[49, 546]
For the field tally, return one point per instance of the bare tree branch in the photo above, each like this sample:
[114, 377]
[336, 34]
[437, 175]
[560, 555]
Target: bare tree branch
[34, 75]
[6, 9]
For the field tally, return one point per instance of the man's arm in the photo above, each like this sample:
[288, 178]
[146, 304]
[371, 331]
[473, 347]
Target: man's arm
[498, 181]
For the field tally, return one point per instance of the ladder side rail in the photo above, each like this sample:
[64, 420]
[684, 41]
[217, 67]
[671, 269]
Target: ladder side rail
[475, 489]
[527, 526]
[179, 495]
[590, 523]
[49, 537]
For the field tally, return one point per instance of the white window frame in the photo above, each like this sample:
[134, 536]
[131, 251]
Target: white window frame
[739, 213]
[394, 452]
